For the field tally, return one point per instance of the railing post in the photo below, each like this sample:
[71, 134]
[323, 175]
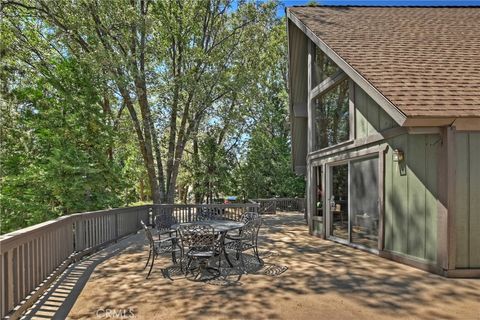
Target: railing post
[74, 235]
[116, 226]
[150, 216]
[138, 218]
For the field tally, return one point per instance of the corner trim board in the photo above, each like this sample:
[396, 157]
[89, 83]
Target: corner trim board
[381, 196]
[451, 176]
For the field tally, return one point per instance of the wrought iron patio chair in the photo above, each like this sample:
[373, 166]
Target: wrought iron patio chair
[203, 214]
[247, 239]
[207, 214]
[248, 216]
[200, 243]
[157, 247]
[245, 218]
[163, 226]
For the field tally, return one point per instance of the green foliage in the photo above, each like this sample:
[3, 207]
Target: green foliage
[54, 149]
[266, 170]
[105, 103]
[212, 172]
[254, 161]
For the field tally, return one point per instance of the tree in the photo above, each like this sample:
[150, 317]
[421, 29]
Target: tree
[266, 169]
[175, 60]
[109, 103]
[54, 158]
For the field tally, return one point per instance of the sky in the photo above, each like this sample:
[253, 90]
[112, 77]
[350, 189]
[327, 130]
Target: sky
[385, 3]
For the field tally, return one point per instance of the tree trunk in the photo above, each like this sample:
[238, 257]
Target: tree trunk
[196, 165]
[183, 137]
[138, 66]
[146, 115]
[158, 158]
[108, 113]
[142, 192]
[147, 160]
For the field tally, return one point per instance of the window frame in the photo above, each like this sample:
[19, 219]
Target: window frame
[315, 82]
[347, 158]
[323, 88]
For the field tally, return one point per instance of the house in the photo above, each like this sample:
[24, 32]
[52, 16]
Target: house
[385, 112]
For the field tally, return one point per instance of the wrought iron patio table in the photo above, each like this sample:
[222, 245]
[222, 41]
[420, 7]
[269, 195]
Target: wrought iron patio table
[220, 226]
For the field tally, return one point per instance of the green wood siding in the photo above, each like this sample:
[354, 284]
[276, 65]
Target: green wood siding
[432, 145]
[388, 202]
[370, 118]
[411, 194]
[416, 197]
[467, 200]
[411, 197]
[398, 197]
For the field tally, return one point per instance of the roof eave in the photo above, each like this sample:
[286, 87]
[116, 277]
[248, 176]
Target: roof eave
[290, 111]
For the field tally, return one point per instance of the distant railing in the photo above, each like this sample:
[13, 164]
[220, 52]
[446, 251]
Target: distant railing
[267, 206]
[271, 205]
[195, 212]
[290, 204]
[32, 258]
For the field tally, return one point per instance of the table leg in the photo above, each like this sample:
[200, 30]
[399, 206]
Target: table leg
[225, 251]
[227, 258]
[174, 257]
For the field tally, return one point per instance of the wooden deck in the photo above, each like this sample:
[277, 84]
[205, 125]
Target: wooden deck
[303, 278]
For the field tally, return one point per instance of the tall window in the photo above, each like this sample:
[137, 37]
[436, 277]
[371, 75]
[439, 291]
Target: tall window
[332, 124]
[323, 67]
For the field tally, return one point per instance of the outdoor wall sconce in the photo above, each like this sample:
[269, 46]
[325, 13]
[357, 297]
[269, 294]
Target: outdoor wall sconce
[398, 155]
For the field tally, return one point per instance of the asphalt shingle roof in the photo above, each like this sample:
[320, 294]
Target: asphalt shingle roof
[425, 60]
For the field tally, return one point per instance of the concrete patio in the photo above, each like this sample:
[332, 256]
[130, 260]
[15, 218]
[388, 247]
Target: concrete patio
[303, 277]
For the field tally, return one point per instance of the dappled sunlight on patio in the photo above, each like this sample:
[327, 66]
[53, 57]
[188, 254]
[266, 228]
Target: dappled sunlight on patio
[302, 277]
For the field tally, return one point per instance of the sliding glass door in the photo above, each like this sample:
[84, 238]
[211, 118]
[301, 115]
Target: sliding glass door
[319, 194]
[338, 201]
[364, 201]
[353, 201]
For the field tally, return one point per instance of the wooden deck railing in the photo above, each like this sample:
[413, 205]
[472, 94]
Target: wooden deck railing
[32, 258]
[271, 205]
[290, 204]
[193, 212]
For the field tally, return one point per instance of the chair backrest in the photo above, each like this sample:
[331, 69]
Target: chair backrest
[198, 237]
[164, 222]
[219, 214]
[250, 230]
[248, 216]
[203, 215]
[206, 214]
[148, 234]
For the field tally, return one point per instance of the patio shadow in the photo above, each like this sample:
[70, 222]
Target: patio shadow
[303, 277]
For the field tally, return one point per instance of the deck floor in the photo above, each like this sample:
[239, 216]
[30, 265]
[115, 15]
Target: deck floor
[303, 277]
